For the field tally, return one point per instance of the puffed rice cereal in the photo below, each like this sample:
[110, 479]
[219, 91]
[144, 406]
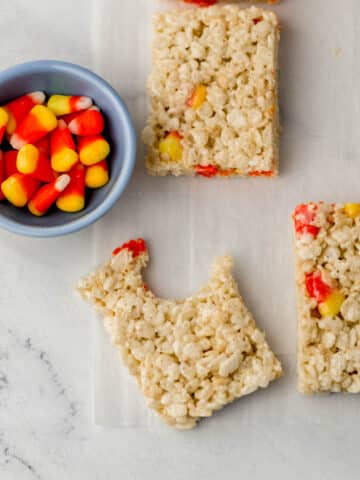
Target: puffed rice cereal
[327, 245]
[191, 357]
[214, 93]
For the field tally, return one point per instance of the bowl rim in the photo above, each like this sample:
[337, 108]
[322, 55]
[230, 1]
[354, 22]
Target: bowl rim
[128, 162]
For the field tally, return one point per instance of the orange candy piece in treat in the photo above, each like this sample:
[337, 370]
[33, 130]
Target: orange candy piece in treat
[316, 287]
[304, 216]
[202, 3]
[19, 188]
[198, 97]
[63, 149]
[261, 173]
[136, 247]
[47, 195]
[73, 198]
[207, 171]
[31, 161]
[65, 104]
[19, 108]
[97, 175]
[89, 122]
[93, 149]
[36, 125]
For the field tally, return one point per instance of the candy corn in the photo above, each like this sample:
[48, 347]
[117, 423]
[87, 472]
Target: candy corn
[198, 97]
[65, 104]
[69, 117]
[33, 162]
[171, 146]
[4, 119]
[19, 188]
[20, 107]
[44, 145]
[352, 210]
[36, 125]
[47, 195]
[63, 149]
[47, 164]
[10, 162]
[73, 198]
[97, 175]
[93, 149]
[2, 173]
[89, 122]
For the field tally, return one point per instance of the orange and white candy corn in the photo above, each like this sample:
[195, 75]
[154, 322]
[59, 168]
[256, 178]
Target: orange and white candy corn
[93, 149]
[36, 125]
[63, 149]
[9, 159]
[20, 107]
[65, 104]
[31, 161]
[2, 173]
[73, 198]
[47, 195]
[4, 119]
[19, 188]
[97, 175]
[89, 122]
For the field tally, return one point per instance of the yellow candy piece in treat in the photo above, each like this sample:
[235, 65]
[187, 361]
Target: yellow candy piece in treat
[171, 146]
[352, 210]
[332, 305]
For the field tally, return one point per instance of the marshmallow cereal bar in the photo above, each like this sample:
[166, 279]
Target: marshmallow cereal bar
[327, 257]
[214, 93]
[192, 357]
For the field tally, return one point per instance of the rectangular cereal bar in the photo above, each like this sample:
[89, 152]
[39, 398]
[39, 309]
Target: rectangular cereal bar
[327, 246]
[213, 93]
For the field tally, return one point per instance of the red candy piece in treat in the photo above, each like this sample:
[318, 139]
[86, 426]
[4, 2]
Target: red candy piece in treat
[136, 247]
[316, 287]
[227, 173]
[303, 217]
[261, 173]
[202, 3]
[207, 170]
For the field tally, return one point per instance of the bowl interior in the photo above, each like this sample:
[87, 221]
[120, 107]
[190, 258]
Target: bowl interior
[52, 77]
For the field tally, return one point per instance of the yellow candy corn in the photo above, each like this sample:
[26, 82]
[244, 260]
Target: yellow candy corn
[332, 305]
[97, 175]
[171, 146]
[352, 210]
[65, 104]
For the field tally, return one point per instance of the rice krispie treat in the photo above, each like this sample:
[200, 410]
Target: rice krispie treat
[189, 357]
[327, 246]
[209, 3]
[213, 93]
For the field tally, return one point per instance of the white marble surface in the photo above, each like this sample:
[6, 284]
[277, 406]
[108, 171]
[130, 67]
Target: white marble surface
[46, 353]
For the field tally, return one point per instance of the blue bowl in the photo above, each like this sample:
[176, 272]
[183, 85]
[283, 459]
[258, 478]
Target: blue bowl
[67, 78]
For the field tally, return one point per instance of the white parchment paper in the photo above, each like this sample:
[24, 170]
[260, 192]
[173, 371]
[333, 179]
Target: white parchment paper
[188, 222]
